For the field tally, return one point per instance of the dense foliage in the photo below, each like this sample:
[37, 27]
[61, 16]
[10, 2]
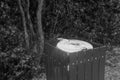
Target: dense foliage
[92, 20]
[17, 61]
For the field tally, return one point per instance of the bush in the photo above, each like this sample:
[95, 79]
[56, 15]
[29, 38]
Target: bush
[16, 61]
[96, 21]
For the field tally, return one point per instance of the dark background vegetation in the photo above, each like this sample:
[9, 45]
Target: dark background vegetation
[92, 20]
[20, 40]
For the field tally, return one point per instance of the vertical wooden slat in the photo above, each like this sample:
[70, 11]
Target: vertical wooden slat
[55, 67]
[56, 70]
[87, 71]
[81, 66]
[88, 65]
[55, 73]
[52, 64]
[59, 73]
[47, 67]
[72, 66]
[102, 68]
[102, 64]
[95, 71]
[48, 51]
[81, 71]
[61, 62]
[95, 65]
[52, 69]
[98, 64]
[64, 73]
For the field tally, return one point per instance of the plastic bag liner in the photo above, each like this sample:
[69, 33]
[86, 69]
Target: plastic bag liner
[73, 45]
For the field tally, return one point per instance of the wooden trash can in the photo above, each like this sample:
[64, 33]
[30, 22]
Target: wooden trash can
[82, 65]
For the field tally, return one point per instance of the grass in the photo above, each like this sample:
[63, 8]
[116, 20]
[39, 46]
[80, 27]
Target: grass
[112, 67]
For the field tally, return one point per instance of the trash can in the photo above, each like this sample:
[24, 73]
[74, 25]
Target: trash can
[77, 65]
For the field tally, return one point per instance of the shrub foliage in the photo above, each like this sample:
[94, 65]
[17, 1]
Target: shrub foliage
[21, 39]
[93, 20]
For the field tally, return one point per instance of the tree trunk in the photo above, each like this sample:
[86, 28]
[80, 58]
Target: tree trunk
[33, 33]
[39, 24]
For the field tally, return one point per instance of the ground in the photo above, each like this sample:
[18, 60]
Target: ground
[112, 67]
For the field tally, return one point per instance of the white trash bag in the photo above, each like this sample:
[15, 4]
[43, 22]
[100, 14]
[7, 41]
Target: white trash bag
[72, 45]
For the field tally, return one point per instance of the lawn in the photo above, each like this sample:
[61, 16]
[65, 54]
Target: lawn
[112, 67]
